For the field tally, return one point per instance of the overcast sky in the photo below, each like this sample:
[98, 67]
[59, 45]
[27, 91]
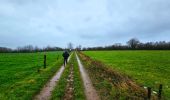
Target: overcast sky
[85, 22]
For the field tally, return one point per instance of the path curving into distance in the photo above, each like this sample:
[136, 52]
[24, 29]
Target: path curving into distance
[90, 91]
[46, 91]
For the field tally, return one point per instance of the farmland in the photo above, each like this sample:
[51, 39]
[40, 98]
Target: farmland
[115, 75]
[22, 74]
[148, 68]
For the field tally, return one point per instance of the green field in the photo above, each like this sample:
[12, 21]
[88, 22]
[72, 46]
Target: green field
[19, 76]
[22, 75]
[148, 68]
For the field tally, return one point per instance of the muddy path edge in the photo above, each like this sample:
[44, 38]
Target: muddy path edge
[46, 91]
[90, 91]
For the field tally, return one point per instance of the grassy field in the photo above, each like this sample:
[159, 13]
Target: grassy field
[19, 76]
[148, 68]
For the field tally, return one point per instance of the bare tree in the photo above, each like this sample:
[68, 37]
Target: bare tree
[78, 47]
[70, 46]
[4, 49]
[133, 43]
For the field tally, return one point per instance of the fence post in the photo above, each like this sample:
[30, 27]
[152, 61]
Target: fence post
[160, 91]
[45, 61]
[149, 93]
[57, 57]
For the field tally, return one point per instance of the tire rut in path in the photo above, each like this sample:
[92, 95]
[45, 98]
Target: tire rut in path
[90, 91]
[46, 91]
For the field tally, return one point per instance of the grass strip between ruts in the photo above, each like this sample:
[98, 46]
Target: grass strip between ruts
[59, 90]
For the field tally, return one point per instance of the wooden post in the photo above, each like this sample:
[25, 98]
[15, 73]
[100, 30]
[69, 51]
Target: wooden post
[57, 57]
[45, 61]
[149, 93]
[38, 70]
[160, 91]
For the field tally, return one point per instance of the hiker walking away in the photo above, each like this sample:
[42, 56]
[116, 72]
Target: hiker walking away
[65, 55]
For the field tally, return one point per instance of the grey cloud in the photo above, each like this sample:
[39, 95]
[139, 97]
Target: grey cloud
[85, 22]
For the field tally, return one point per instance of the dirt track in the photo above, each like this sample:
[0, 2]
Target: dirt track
[90, 92]
[45, 93]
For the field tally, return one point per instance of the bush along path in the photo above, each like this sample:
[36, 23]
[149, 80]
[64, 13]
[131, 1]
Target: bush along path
[45, 93]
[70, 85]
[111, 84]
[90, 91]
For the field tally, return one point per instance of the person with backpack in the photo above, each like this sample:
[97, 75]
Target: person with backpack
[65, 56]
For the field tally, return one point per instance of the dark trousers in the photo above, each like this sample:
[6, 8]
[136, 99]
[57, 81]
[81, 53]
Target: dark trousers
[65, 61]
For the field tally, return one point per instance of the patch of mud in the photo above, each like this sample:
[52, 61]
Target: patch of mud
[90, 92]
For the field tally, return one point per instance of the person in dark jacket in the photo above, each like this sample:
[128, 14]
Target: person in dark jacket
[65, 56]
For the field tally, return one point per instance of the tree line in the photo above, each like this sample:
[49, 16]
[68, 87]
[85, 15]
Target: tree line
[134, 44]
[29, 48]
